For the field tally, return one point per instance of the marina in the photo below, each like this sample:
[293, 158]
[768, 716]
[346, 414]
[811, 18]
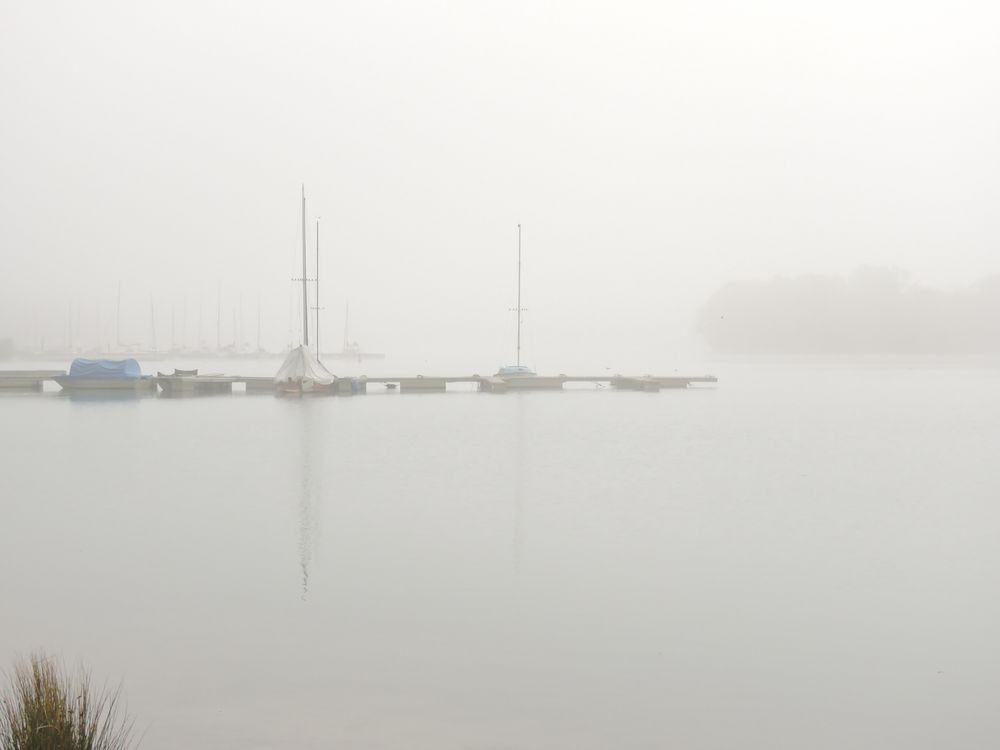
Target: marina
[302, 373]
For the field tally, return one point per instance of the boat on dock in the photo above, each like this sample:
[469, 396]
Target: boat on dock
[104, 375]
[518, 375]
[302, 373]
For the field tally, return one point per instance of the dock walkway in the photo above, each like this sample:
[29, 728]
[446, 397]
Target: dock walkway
[27, 380]
[213, 384]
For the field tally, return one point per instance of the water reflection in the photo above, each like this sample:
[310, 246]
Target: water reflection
[517, 533]
[310, 484]
[100, 396]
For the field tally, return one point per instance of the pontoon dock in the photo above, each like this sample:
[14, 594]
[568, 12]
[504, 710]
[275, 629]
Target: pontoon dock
[197, 385]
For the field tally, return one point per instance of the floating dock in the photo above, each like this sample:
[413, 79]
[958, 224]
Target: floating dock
[207, 385]
[27, 380]
[179, 386]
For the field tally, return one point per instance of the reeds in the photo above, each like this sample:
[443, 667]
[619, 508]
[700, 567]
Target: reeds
[46, 708]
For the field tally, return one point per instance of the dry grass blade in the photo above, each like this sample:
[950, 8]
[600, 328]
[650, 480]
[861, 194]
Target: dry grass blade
[45, 708]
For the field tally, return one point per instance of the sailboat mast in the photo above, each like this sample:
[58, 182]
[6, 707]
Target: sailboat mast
[218, 316]
[318, 355]
[305, 287]
[518, 295]
[347, 319]
[152, 320]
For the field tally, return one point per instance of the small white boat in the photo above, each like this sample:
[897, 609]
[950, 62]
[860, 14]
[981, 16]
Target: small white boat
[516, 371]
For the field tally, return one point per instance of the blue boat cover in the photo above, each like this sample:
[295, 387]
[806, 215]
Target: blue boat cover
[105, 368]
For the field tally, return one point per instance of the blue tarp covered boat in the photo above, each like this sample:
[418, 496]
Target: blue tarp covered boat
[105, 368]
[106, 375]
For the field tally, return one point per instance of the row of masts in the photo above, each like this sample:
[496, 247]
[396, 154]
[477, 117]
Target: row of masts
[169, 327]
[237, 330]
[304, 280]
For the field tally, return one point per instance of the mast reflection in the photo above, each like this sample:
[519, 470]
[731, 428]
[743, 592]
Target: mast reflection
[310, 486]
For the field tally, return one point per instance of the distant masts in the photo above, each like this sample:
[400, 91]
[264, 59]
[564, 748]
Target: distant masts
[152, 321]
[218, 317]
[347, 323]
[118, 319]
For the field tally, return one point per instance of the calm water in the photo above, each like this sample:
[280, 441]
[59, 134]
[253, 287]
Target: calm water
[803, 557]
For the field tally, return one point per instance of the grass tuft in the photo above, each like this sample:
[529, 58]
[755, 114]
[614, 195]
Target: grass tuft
[45, 708]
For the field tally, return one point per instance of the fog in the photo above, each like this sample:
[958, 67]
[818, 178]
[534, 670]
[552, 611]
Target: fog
[872, 311]
[652, 152]
[635, 537]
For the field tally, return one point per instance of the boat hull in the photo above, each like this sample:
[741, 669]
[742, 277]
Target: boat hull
[308, 388]
[122, 385]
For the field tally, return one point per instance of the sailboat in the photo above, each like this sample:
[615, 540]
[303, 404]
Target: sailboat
[517, 370]
[301, 372]
[351, 350]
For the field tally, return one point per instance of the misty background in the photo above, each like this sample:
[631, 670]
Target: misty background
[871, 311]
[653, 153]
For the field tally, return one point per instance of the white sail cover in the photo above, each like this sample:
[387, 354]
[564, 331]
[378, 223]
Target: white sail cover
[301, 366]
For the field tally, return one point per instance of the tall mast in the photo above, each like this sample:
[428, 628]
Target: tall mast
[305, 287]
[318, 355]
[518, 295]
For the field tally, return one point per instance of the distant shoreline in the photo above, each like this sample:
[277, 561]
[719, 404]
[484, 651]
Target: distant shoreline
[871, 313]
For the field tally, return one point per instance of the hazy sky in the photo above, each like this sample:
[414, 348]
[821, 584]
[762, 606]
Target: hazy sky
[652, 151]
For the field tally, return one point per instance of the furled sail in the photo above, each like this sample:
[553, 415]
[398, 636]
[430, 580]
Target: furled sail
[301, 366]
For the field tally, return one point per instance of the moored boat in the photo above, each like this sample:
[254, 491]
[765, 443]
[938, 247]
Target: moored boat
[301, 373]
[106, 375]
[517, 370]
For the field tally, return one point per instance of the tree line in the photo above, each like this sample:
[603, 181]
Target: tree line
[871, 311]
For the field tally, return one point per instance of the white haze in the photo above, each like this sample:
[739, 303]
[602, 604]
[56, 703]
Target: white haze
[652, 151]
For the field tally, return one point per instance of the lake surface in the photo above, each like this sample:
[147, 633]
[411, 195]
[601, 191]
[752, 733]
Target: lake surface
[802, 557]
